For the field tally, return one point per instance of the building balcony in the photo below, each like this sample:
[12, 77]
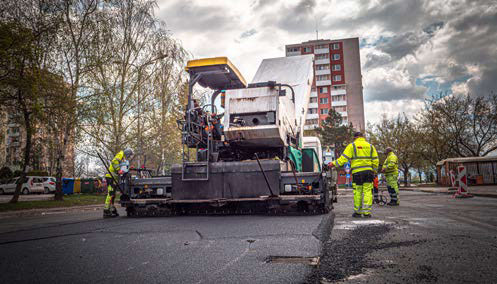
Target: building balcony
[293, 53]
[14, 144]
[323, 83]
[338, 103]
[323, 72]
[314, 94]
[342, 113]
[338, 92]
[321, 50]
[313, 105]
[13, 125]
[322, 61]
[14, 134]
[312, 116]
[310, 126]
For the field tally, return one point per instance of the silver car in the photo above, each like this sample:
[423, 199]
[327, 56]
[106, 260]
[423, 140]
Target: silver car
[48, 184]
[34, 184]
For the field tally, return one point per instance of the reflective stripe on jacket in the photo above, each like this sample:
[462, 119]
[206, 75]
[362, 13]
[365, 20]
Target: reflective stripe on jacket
[362, 156]
[390, 165]
[114, 166]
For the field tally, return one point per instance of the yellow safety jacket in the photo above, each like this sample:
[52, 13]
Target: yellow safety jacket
[361, 155]
[390, 165]
[114, 164]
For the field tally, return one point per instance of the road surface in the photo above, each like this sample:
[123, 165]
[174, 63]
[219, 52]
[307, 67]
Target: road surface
[429, 238]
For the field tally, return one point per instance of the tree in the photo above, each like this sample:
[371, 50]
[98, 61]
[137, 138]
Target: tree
[77, 34]
[400, 134]
[25, 81]
[136, 75]
[333, 132]
[466, 125]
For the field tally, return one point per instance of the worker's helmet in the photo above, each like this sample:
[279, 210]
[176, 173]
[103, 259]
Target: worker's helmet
[128, 152]
[358, 134]
[388, 149]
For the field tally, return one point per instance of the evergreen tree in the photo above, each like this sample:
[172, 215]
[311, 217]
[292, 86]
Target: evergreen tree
[334, 133]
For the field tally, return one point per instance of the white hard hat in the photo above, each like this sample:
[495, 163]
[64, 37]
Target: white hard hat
[128, 152]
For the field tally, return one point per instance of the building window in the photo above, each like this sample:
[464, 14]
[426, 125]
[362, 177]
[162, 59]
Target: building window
[313, 100]
[340, 108]
[322, 67]
[307, 49]
[340, 87]
[337, 78]
[322, 56]
[324, 111]
[323, 90]
[336, 46]
[312, 110]
[337, 67]
[336, 56]
[323, 100]
[322, 77]
[311, 121]
[338, 98]
[292, 49]
[321, 46]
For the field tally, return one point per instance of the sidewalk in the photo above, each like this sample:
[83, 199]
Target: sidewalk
[50, 211]
[481, 190]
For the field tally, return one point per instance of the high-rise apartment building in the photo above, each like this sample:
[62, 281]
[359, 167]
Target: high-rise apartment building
[337, 82]
[43, 147]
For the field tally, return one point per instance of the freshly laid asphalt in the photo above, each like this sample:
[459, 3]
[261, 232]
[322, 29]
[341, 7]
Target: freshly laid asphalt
[82, 247]
[429, 238]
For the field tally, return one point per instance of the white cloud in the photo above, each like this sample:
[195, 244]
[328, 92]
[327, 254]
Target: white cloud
[452, 41]
[374, 111]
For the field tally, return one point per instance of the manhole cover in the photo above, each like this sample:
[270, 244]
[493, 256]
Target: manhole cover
[312, 260]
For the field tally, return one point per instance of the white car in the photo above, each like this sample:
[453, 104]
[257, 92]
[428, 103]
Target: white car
[34, 184]
[48, 184]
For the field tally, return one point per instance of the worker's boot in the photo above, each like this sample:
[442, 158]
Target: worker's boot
[366, 215]
[356, 215]
[107, 213]
[114, 212]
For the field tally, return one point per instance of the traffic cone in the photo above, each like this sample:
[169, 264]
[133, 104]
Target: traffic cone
[462, 188]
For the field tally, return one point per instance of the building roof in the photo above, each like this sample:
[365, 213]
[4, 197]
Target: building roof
[320, 41]
[468, 160]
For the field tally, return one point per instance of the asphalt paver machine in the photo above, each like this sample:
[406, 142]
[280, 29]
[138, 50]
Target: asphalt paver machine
[244, 152]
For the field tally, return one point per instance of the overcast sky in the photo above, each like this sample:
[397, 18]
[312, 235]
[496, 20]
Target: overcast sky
[410, 49]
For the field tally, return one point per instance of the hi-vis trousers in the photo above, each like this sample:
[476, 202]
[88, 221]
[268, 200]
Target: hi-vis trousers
[362, 183]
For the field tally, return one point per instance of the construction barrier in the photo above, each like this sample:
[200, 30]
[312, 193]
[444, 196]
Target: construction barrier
[452, 179]
[462, 188]
[77, 185]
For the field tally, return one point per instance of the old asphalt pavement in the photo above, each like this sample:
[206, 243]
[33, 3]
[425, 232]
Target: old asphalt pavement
[429, 238]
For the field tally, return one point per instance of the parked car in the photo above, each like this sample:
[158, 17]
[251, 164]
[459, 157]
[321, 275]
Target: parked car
[34, 184]
[48, 184]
